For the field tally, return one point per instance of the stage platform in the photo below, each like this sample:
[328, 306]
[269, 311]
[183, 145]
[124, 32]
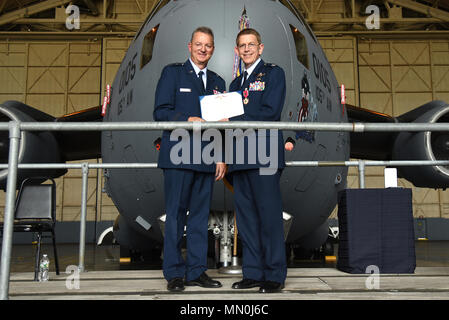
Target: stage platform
[106, 278]
[428, 283]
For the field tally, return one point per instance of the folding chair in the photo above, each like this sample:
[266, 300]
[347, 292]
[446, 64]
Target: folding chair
[36, 212]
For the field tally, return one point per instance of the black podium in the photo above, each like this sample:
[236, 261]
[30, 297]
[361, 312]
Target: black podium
[376, 229]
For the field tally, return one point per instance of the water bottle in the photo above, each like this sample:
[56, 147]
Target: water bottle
[44, 266]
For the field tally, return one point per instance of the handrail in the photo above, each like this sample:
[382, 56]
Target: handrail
[153, 165]
[170, 125]
[15, 128]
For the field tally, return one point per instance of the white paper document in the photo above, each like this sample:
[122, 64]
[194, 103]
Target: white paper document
[391, 178]
[220, 106]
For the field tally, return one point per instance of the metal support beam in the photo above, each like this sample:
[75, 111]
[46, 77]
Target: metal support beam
[422, 8]
[63, 35]
[361, 167]
[348, 9]
[142, 10]
[30, 10]
[92, 7]
[303, 5]
[362, 20]
[2, 6]
[105, 9]
[14, 142]
[314, 20]
[126, 21]
[387, 6]
[85, 169]
[389, 34]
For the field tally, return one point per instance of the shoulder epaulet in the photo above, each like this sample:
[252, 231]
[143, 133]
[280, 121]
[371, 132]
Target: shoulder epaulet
[176, 64]
[214, 74]
[269, 65]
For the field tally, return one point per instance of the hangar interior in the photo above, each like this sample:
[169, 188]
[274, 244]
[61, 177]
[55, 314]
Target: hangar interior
[395, 67]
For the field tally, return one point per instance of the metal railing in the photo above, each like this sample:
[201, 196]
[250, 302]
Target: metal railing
[15, 129]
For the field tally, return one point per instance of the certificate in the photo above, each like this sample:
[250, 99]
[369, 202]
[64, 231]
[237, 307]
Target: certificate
[220, 106]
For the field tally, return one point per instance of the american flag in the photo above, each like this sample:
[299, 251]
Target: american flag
[243, 24]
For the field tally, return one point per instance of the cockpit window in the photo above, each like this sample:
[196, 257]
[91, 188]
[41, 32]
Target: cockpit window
[292, 8]
[147, 47]
[301, 47]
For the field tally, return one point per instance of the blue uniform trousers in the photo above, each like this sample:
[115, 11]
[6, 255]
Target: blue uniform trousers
[186, 190]
[258, 204]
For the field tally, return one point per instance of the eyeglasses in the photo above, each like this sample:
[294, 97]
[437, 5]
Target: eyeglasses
[250, 46]
[199, 45]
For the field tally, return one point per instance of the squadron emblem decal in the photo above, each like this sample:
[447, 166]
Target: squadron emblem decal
[307, 110]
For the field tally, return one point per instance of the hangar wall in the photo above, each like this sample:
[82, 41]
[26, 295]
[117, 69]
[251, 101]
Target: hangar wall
[58, 77]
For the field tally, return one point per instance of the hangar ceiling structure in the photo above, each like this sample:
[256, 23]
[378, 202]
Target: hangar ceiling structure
[326, 17]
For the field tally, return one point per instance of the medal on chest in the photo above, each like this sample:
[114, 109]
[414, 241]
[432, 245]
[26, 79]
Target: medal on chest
[245, 95]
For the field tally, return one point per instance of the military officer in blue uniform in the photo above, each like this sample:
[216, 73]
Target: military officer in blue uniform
[257, 194]
[187, 185]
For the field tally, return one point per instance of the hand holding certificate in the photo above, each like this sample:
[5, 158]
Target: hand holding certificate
[221, 106]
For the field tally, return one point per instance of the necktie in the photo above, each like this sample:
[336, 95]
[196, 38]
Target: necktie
[200, 78]
[245, 76]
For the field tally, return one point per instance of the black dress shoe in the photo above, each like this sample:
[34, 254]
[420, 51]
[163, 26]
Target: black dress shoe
[175, 285]
[271, 287]
[204, 281]
[246, 284]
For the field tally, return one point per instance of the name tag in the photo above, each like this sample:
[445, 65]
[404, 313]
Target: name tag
[185, 90]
